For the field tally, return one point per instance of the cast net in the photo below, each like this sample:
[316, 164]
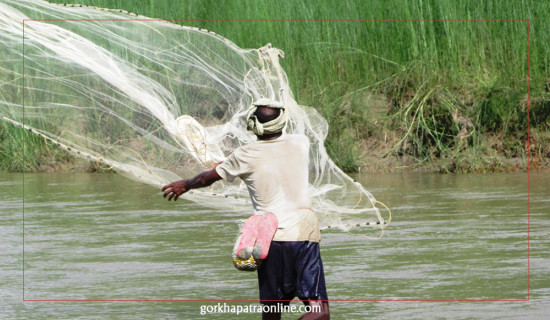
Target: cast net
[156, 101]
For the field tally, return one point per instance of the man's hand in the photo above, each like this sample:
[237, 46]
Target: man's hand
[175, 189]
[204, 179]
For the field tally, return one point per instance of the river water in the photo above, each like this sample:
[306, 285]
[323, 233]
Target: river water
[103, 237]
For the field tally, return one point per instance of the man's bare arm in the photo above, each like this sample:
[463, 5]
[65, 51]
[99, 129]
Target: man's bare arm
[204, 179]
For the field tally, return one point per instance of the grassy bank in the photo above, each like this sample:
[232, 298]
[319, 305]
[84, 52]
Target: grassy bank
[414, 88]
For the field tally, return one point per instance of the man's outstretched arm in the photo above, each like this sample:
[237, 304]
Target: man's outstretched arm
[204, 179]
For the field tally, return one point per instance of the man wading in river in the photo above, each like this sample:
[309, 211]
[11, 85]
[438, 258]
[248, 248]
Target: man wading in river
[275, 171]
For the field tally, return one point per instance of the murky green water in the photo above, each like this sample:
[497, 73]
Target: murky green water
[103, 237]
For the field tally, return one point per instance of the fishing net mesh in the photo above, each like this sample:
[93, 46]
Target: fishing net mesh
[156, 101]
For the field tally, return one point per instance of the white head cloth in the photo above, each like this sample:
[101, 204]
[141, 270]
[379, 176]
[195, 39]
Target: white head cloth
[274, 126]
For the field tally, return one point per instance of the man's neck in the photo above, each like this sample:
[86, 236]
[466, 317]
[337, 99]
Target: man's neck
[272, 136]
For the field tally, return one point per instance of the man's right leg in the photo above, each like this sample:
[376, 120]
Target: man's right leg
[311, 282]
[319, 311]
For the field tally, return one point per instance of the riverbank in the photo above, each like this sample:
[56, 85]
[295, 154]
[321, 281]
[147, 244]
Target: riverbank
[369, 156]
[377, 157]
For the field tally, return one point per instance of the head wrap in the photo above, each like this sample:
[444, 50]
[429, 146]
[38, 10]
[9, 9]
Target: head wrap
[274, 126]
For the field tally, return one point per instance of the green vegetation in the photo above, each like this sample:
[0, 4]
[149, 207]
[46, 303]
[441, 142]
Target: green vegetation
[420, 89]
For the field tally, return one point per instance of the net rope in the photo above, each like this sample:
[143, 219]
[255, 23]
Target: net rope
[157, 101]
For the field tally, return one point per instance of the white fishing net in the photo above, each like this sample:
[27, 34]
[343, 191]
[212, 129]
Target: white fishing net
[156, 101]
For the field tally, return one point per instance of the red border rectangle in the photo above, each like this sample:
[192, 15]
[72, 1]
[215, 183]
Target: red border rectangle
[294, 20]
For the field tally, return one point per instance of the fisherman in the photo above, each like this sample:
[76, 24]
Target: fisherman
[275, 171]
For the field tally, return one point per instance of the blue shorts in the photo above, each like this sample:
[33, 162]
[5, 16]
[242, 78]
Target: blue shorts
[292, 269]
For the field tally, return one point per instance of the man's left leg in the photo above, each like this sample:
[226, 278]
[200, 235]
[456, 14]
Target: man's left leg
[271, 315]
[271, 279]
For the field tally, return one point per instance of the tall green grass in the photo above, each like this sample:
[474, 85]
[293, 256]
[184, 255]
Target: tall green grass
[432, 81]
[26, 151]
